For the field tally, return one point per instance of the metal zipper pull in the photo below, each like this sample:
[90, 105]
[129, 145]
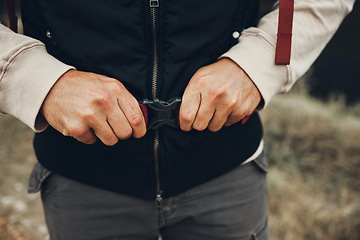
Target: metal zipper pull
[159, 199]
[154, 3]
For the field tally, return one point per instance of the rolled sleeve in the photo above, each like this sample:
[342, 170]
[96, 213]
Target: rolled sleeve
[315, 22]
[258, 63]
[27, 74]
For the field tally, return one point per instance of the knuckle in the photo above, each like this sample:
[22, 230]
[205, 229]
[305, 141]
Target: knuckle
[102, 101]
[231, 103]
[185, 123]
[141, 133]
[111, 141]
[185, 128]
[202, 72]
[77, 131]
[125, 133]
[199, 79]
[186, 118]
[228, 123]
[214, 128]
[216, 92]
[136, 119]
[199, 126]
[202, 79]
[88, 141]
[65, 132]
[117, 87]
[238, 115]
[235, 119]
[227, 108]
[88, 115]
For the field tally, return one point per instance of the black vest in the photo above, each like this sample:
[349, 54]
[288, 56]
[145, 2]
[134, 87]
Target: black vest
[115, 38]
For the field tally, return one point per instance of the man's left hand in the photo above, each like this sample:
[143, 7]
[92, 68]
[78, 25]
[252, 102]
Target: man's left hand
[218, 95]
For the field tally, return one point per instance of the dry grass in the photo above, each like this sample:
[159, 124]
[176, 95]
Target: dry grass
[20, 213]
[314, 154]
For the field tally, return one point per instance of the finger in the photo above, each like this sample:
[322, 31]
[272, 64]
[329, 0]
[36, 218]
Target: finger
[204, 115]
[222, 114]
[189, 109]
[241, 112]
[235, 116]
[120, 125]
[81, 133]
[87, 138]
[105, 133]
[233, 119]
[133, 114]
[100, 127]
[219, 119]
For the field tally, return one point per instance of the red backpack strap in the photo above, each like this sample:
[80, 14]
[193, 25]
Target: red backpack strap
[284, 36]
[10, 9]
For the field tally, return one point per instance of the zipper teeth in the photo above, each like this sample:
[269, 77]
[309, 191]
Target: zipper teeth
[156, 158]
[155, 58]
[154, 95]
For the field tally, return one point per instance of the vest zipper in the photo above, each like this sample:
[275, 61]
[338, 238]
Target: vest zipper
[157, 171]
[154, 4]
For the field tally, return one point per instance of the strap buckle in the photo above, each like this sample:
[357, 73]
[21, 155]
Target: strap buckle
[159, 113]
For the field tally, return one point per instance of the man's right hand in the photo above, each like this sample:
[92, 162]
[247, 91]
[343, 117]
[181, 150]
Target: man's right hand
[88, 106]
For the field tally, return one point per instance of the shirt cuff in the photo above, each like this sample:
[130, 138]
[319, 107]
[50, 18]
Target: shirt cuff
[27, 79]
[256, 56]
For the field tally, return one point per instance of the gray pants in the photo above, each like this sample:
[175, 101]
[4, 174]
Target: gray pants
[232, 206]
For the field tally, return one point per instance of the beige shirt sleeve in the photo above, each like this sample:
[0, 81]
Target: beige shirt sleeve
[315, 22]
[27, 73]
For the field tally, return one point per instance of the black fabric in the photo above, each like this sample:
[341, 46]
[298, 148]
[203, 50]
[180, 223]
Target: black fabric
[114, 38]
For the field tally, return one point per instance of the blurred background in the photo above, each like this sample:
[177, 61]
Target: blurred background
[313, 152]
